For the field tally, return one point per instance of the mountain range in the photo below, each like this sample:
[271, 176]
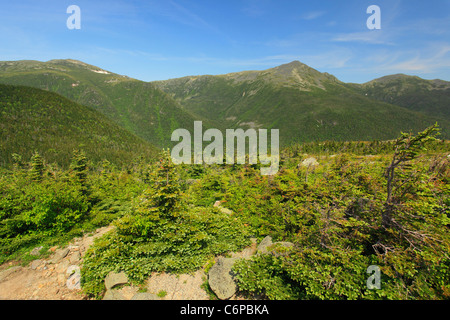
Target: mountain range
[308, 105]
[36, 120]
[303, 103]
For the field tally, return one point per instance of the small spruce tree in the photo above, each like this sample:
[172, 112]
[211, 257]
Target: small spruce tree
[166, 191]
[37, 167]
[79, 169]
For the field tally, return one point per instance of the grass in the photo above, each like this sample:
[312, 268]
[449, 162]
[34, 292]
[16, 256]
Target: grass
[162, 294]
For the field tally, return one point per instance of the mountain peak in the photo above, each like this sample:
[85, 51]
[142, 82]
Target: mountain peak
[299, 75]
[293, 64]
[289, 67]
[394, 77]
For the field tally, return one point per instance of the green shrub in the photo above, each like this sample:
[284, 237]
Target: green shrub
[161, 233]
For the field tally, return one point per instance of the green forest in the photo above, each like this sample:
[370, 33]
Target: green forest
[383, 203]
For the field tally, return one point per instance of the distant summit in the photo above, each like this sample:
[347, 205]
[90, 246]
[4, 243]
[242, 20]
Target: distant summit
[304, 103]
[431, 97]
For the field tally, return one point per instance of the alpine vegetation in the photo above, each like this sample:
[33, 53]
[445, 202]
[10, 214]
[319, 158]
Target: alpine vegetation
[235, 153]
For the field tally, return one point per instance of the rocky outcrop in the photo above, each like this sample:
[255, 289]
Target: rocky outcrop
[115, 279]
[265, 243]
[59, 255]
[222, 279]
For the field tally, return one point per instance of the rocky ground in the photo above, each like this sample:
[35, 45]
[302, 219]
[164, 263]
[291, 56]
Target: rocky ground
[58, 277]
[54, 278]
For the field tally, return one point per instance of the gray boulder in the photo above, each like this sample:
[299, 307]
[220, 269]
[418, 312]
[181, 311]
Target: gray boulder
[221, 278]
[35, 264]
[59, 255]
[280, 248]
[75, 257]
[114, 279]
[265, 243]
[225, 210]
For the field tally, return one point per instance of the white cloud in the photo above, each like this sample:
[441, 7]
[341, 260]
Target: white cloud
[313, 15]
[371, 37]
[431, 59]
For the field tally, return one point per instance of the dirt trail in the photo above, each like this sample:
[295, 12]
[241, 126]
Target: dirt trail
[57, 277]
[54, 278]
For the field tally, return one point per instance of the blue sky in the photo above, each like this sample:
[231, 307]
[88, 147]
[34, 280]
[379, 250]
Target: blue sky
[162, 39]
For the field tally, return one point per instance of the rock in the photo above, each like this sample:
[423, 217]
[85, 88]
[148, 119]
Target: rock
[310, 162]
[145, 296]
[36, 251]
[262, 248]
[59, 255]
[61, 279]
[225, 210]
[114, 279]
[113, 295]
[246, 253]
[281, 248]
[9, 271]
[178, 286]
[35, 264]
[75, 257]
[217, 203]
[277, 249]
[221, 278]
[62, 266]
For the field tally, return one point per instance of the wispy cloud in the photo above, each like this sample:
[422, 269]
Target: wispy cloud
[435, 59]
[420, 62]
[368, 37]
[186, 16]
[313, 15]
[336, 58]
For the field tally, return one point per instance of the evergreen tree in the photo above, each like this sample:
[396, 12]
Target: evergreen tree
[406, 148]
[37, 167]
[79, 166]
[166, 191]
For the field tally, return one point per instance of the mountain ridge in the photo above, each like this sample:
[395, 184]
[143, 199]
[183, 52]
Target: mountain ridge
[292, 96]
[136, 105]
[307, 105]
[33, 119]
